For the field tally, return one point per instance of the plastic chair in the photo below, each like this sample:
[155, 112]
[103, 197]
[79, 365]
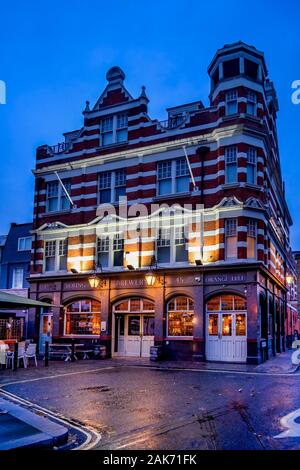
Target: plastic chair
[30, 353]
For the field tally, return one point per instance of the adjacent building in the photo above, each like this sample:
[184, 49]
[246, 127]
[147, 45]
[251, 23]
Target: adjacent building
[14, 271]
[223, 294]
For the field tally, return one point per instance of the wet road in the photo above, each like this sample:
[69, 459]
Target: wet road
[148, 408]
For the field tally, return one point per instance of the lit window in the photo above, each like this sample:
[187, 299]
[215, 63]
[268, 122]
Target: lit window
[251, 165]
[251, 239]
[230, 164]
[83, 317]
[56, 199]
[56, 255]
[24, 244]
[251, 103]
[180, 317]
[173, 176]
[231, 239]
[114, 129]
[231, 102]
[18, 278]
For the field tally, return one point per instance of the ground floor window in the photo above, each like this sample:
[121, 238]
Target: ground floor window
[11, 328]
[180, 315]
[83, 317]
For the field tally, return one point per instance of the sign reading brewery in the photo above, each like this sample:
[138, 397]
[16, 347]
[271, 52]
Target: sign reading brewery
[224, 278]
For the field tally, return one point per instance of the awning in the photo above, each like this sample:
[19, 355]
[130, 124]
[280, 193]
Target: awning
[12, 301]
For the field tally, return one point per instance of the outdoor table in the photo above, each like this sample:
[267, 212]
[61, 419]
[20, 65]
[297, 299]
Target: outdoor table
[65, 349]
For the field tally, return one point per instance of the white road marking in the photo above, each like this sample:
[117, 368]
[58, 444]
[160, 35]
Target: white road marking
[88, 444]
[289, 421]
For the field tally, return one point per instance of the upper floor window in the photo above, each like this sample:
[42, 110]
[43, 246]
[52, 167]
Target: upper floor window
[56, 255]
[251, 239]
[251, 103]
[18, 278]
[57, 199]
[173, 176]
[110, 251]
[231, 239]
[230, 164]
[251, 165]
[171, 245]
[111, 186]
[114, 129]
[231, 102]
[24, 244]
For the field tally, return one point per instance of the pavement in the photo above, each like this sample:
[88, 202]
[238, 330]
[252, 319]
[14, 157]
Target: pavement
[134, 404]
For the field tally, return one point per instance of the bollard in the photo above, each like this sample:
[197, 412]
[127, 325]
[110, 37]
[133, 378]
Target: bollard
[73, 351]
[16, 351]
[46, 354]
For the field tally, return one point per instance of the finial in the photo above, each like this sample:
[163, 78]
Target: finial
[143, 93]
[87, 107]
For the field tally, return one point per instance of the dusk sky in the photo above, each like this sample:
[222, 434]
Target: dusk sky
[54, 56]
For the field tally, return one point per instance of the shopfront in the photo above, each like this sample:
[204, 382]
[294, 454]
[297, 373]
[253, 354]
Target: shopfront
[191, 315]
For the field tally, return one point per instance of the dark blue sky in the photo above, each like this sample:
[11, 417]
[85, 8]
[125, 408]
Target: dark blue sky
[54, 56]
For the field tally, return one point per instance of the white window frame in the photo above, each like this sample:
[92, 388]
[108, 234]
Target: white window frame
[113, 186]
[251, 98]
[231, 230]
[113, 240]
[14, 278]
[188, 311]
[252, 161]
[58, 243]
[60, 195]
[119, 123]
[169, 240]
[231, 97]
[23, 240]
[231, 159]
[252, 232]
[84, 335]
[173, 177]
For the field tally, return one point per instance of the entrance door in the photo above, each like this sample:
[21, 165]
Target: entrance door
[226, 338]
[133, 339]
[45, 331]
[148, 335]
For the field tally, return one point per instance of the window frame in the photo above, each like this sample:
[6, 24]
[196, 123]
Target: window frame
[23, 240]
[252, 163]
[116, 127]
[92, 335]
[14, 278]
[230, 162]
[231, 235]
[173, 175]
[174, 299]
[252, 94]
[57, 256]
[114, 241]
[113, 186]
[61, 195]
[169, 240]
[252, 233]
[231, 97]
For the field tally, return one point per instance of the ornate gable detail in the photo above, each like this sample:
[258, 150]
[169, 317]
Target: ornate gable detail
[231, 201]
[254, 203]
[115, 92]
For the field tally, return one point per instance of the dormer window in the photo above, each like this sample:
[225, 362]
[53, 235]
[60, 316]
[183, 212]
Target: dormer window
[114, 129]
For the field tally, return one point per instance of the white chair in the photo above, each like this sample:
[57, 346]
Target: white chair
[30, 353]
[22, 355]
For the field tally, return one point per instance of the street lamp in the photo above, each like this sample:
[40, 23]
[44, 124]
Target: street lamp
[94, 281]
[150, 278]
[289, 279]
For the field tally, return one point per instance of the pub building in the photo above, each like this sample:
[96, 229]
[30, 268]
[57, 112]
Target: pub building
[224, 295]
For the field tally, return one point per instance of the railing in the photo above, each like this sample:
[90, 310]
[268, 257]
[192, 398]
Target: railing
[59, 148]
[172, 122]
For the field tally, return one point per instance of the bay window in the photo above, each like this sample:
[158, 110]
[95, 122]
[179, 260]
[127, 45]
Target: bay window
[251, 239]
[231, 239]
[231, 102]
[231, 164]
[251, 165]
[251, 103]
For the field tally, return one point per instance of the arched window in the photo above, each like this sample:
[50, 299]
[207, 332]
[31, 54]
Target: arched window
[134, 304]
[180, 317]
[228, 309]
[82, 318]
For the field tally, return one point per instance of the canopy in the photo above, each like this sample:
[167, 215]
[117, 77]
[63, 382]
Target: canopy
[12, 301]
